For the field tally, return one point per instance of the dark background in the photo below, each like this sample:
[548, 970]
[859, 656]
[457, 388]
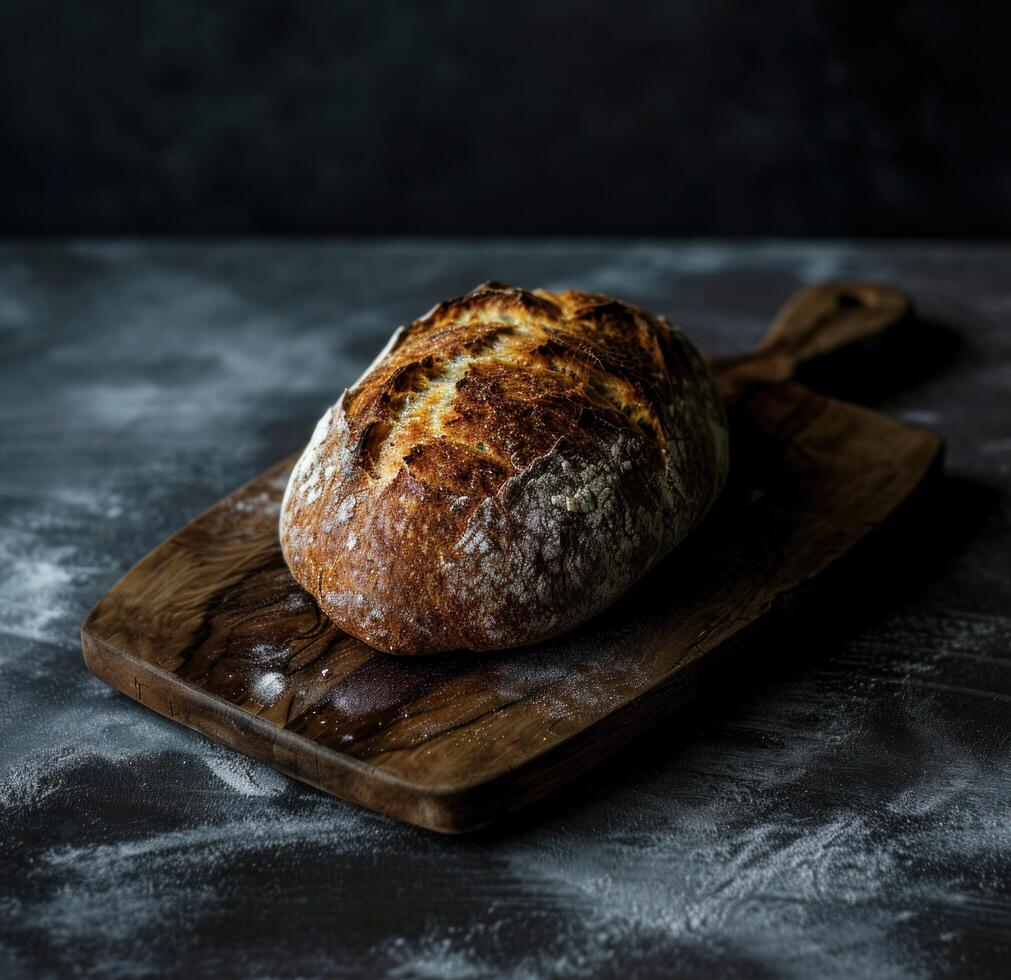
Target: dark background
[697, 117]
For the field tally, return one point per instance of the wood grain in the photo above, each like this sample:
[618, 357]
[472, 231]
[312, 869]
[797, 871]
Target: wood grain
[211, 630]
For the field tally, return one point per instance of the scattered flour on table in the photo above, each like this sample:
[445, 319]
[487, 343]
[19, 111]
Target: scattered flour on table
[242, 774]
[51, 567]
[120, 893]
[33, 590]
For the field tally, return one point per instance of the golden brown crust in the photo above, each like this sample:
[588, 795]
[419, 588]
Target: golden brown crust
[510, 466]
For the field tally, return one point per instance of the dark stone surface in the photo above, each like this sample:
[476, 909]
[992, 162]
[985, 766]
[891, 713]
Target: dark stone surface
[712, 117]
[837, 805]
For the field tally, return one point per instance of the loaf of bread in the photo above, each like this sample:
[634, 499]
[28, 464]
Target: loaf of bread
[508, 466]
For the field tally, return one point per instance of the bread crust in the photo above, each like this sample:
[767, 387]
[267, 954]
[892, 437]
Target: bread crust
[508, 466]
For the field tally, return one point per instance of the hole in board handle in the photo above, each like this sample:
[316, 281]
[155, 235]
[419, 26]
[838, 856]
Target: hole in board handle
[849, 301]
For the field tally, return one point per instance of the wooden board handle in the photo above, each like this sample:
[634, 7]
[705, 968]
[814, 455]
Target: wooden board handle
[814, 323]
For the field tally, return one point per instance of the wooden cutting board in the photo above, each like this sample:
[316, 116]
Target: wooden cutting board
[211, 630]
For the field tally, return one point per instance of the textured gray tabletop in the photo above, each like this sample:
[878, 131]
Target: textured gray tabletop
[838, 807]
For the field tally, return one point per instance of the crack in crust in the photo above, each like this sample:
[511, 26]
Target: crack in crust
[511, 465]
